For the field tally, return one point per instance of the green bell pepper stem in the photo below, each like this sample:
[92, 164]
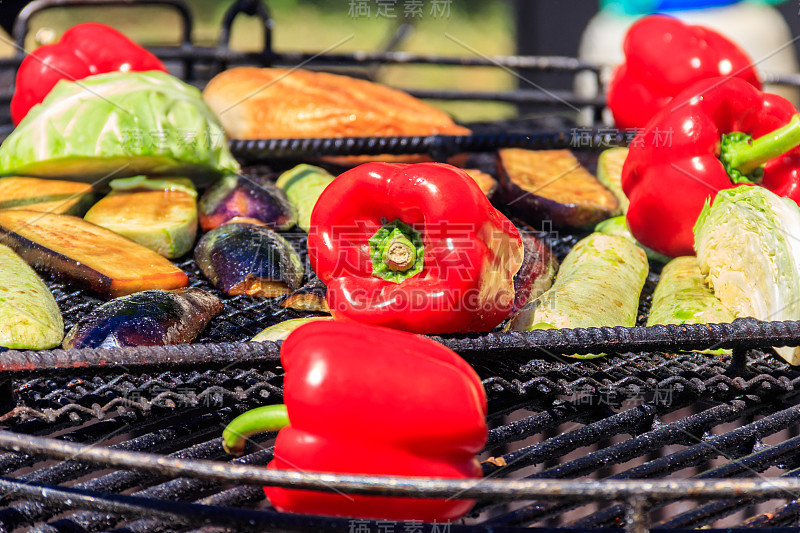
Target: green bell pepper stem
[397, 252]
[259, 420]
[400, 254]
[747, 156]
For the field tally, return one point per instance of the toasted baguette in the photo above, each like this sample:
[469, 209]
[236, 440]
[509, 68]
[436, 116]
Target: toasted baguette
[270, 103]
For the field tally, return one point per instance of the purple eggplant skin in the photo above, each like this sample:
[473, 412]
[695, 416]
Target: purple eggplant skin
[147, 318]
[537, 273]
[244, 258]
[550, 186]
[313, 296]
[243, 196]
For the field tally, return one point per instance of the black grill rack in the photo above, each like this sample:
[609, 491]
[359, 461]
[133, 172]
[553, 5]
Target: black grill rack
[649, 436]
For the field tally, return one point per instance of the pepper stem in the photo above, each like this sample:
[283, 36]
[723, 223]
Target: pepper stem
[259, 420]
[744, 156]
[397, 252]
[400, 254]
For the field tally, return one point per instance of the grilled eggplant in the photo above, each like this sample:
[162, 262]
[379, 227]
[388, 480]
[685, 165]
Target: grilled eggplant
[313, 296]
[485, 181]
[158, 214]
[29, 315]
[539, 185]
[244, 258]
[537, 272]
[254, 197]
[48, 196]
[149, 318]
[87, 255]
[303, 185]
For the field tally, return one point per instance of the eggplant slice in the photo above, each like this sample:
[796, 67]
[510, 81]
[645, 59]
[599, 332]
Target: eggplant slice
[541, 185]
[537, 273]
[313, 296]
[245, 258]
[254, 197]
[148, 318]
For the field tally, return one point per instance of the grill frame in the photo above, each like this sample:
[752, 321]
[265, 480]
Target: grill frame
[737, 385]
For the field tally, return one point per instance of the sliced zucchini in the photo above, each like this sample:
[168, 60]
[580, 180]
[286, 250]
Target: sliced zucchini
[158, 214]
[303, 185]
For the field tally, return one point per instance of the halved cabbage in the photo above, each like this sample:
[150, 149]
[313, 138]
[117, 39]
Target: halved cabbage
[119, 124]
[748, 249]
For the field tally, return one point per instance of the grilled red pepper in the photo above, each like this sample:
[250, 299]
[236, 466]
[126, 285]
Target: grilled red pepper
[414, 247]
[84, 50]
[371, 400]
[664, 56]
[723, 132]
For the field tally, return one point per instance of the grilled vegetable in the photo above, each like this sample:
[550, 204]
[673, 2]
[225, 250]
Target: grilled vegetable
[84, 50]
[281, 330]
[726, 133]
[598, 284]
[337, 372]
[414, 247]
[148, 318]
[748, 251]
[244, 258]
[609, 173]
[313, 296]
[29, 315]
[50, 196]
[619, 226]
[87, 255]
[242, 196]
[158, 214]
[485, 181]
[681, 297]
[303, 184]
[121, 124]
[663, 56]
[537, 272]
[551, 185]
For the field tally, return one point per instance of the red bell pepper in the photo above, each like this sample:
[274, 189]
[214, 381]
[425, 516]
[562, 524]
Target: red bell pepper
[414, 247]
[371, 400]
[664, 56]
[723, 132]
[84, 50]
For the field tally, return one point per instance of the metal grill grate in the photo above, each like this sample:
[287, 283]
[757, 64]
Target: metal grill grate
[658, 414]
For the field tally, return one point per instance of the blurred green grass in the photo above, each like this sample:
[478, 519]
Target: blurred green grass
[460, 27]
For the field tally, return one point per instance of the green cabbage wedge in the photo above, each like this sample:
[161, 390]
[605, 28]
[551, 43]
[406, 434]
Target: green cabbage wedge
[748, 249]
[117, 125]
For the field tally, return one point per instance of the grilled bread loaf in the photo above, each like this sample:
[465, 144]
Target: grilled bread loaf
[264, 103]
